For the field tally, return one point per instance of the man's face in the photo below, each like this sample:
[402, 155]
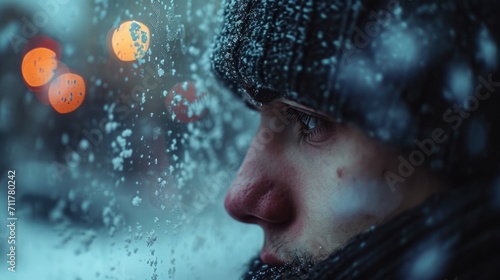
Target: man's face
[312, 184]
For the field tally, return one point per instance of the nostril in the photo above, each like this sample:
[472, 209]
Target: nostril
[275, 208]
[249, 219]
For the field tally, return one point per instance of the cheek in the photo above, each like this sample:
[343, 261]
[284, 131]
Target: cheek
[342, 189]
[362, 192]
[350, 190]
[362, 198]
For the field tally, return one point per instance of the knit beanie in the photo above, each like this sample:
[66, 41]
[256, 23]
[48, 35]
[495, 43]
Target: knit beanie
[420, 76]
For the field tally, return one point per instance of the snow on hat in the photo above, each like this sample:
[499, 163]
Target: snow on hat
[419, 75]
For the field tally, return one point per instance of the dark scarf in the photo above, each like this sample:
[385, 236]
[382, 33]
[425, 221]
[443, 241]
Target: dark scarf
[454, 235]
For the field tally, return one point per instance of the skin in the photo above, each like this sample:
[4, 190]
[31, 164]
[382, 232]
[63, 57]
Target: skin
[311, 195]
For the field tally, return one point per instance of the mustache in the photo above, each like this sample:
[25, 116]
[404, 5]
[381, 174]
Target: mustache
[299, 268]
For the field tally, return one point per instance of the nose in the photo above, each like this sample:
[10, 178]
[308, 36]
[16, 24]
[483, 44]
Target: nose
[260, 193]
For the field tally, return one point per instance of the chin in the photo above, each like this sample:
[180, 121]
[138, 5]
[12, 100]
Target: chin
[295, 269]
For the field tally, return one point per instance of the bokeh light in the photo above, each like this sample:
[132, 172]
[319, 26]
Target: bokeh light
[67, 92]
[186, 103]
[38, 67]
[130, 41]
[43, 95]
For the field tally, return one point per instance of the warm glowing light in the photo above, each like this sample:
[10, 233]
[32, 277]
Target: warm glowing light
[184, 101]
[38, 67]
[43, 94]
[130, 41]
[49, 78]
[67, 92]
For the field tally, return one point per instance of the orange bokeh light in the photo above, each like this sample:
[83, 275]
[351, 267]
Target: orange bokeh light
[43, 94]
[67, 92]
[130, 41]
[49, 78]
[38, 67]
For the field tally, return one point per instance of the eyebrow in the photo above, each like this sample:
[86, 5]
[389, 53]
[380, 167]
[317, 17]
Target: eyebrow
[306, 110]
[288, 103]
[252, 104]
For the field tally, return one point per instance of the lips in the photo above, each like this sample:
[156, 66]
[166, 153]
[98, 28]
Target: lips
[269, 258]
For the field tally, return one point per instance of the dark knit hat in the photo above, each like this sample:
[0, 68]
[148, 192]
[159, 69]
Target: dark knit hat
[419, 75]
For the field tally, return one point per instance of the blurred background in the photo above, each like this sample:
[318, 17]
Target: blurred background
[123, 144]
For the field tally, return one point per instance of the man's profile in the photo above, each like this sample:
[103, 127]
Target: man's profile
[376, 155]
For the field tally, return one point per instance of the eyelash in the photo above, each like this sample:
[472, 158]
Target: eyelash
[306, 133]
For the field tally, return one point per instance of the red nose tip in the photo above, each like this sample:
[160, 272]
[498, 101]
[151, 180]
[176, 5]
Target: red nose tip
[263, 202]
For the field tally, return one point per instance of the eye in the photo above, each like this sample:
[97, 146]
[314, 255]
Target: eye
[309, 122]
[312, 129]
